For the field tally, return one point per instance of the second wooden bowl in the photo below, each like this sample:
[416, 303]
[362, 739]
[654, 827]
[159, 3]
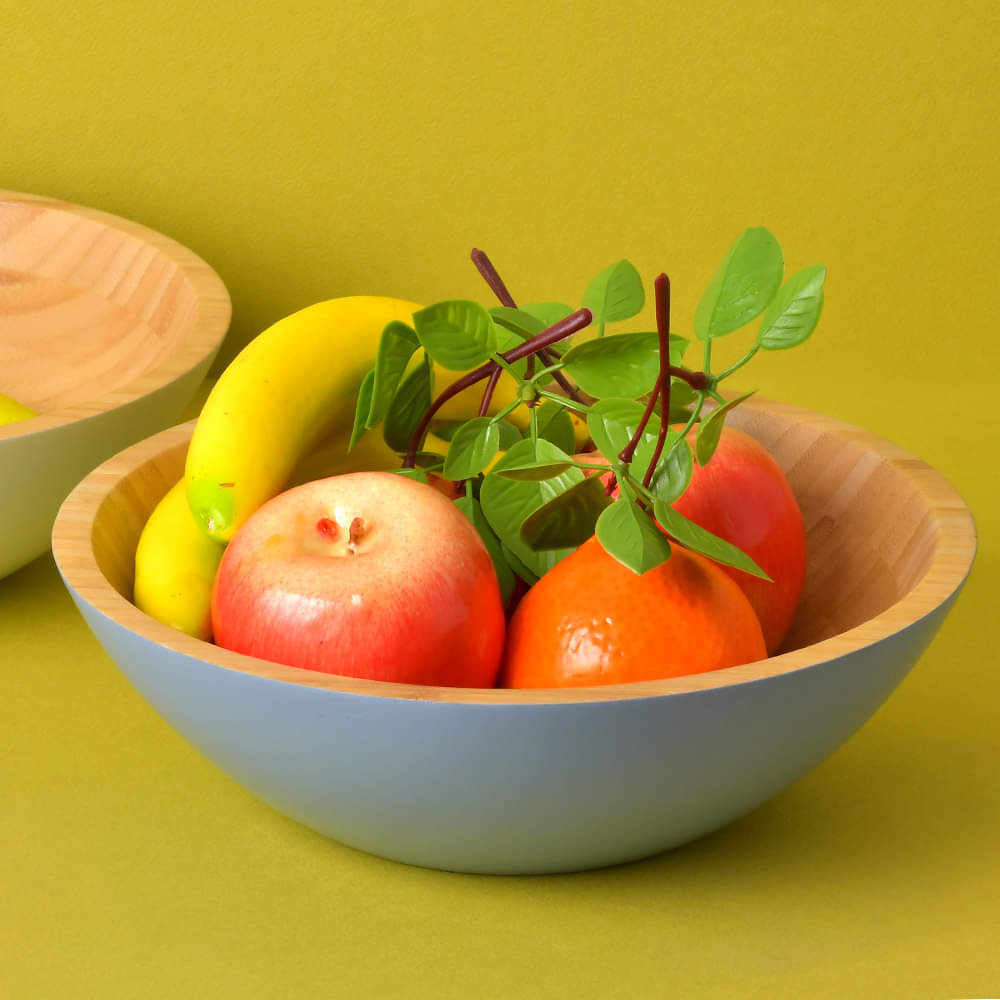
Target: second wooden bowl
[107, 328]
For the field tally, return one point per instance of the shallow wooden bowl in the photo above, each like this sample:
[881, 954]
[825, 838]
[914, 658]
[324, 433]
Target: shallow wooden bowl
[542, 781]
[106, 329]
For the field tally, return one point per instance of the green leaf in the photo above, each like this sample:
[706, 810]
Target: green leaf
[517, 321]
[507, 502]
[742, 286]
[795, 311]
[509, 433]
[678, 348]
[395, 348]
[624, 365]
[429, 459]
[611, 424]
[362, 408]
[507, 341]
[547, 313]
[710, 429]
[695, 537]
[629, 535]
[528, 575]
[528, 321]
[457, 334]
[681, 394]
[533, 471]
[567, 520]
[674, 470]
[473, 447]
[555, 425]
[447, 431]
[471, 508]
[408, 406]
[616, 293]
[417, 474]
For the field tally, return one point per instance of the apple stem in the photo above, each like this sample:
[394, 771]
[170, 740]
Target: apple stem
[356, 532]
[553, 334]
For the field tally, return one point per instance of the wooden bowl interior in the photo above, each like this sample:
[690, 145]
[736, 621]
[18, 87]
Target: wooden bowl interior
[86, 305]
[871, 527]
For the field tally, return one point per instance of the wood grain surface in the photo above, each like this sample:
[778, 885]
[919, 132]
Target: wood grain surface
[95, 310]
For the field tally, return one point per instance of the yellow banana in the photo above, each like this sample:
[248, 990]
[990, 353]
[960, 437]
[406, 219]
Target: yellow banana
[12, 411]
[291, 387]
[176, 562]
[175, 565]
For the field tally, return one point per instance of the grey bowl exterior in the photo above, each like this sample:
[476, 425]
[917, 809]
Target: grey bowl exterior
[502, 788]
[38, 469]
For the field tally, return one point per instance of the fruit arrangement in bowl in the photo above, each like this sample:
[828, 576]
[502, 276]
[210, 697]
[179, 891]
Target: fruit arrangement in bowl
[454, 588]
[107, 329]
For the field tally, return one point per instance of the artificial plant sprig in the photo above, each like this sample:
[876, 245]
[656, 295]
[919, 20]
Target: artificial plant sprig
[531, 497]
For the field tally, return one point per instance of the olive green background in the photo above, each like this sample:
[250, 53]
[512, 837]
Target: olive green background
[309, 150]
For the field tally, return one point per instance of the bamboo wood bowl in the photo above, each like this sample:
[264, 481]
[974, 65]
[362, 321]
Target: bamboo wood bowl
[545, 781]
[106, 330]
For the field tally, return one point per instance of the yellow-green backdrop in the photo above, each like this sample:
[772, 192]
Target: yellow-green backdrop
[309, 150]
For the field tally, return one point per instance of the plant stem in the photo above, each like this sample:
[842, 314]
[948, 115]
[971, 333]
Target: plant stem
[739, 364]
[558, 331]
[662, 286]
[697, 380]
[485, 267]
[567, 403]
[492, 277]
[491, 385]
[628, 452]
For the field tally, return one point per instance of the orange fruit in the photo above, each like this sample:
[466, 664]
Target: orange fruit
[590, 620]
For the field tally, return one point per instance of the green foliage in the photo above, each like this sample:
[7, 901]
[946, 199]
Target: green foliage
[457, 334]
[625, 364]
[627, 534]
[411, 402]
[568, 519]
[615, 294]
[526, 492]
[795, 311]
[742, 287]
[473, 447]
[395, 348]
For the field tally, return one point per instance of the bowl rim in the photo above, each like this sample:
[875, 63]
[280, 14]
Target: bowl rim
[205, 339]
[951, 562]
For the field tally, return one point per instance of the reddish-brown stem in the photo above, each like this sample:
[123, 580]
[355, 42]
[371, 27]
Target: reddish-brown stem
[485, 267]
[661, 390]
[492, 277]
[697, 380]
[558, 331]
[491, 384]
[628, 452]
[662, 287]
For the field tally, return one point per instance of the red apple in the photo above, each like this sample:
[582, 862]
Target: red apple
[742, 495]
[367, 574]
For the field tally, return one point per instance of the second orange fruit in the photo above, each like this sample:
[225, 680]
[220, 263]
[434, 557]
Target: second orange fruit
[590, 620]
